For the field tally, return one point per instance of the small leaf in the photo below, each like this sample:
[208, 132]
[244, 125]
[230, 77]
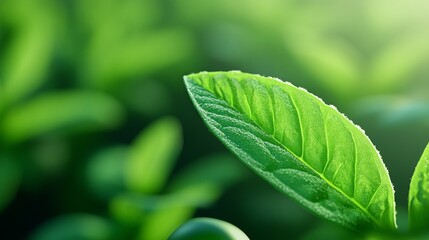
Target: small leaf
[418, 198]
[61, 111]
[27, 57]
[302, 146]
[152, 156]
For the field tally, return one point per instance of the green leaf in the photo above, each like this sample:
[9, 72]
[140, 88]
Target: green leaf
[418, 198]
[61, 111]
[305, 148]
[152, 156]
[27, 56]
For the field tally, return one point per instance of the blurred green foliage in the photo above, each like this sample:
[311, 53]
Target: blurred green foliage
[91, 94]
[77, 226]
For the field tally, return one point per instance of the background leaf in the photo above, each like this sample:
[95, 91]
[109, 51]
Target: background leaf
[27, 57]
[152, 156]
[79, 110]
[292, 139]
[418, 198]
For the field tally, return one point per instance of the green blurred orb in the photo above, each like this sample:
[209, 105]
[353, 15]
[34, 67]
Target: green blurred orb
[207, 229]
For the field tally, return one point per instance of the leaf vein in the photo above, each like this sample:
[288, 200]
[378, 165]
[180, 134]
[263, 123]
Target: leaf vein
[328, 157]
[300, 125]
[373, 195]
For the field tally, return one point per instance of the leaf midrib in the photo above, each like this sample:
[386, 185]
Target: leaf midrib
[352, 199]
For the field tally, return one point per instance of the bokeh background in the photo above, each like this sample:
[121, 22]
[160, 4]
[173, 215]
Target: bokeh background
[98, 139]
